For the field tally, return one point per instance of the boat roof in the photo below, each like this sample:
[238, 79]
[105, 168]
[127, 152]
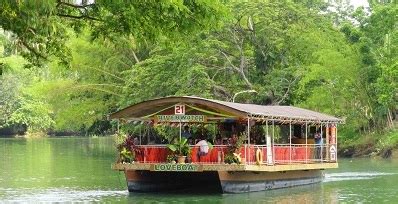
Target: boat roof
[260, 112]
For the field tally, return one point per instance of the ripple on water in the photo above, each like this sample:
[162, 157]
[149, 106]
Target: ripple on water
[59, 195]
[354, 176]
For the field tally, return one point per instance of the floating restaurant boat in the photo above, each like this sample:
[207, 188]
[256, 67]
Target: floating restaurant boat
[277, 146]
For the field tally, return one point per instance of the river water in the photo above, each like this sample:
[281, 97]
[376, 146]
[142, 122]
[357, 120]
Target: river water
[66, 170]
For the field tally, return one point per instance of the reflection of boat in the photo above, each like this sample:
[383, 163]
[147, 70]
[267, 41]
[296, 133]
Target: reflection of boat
[278, 150]
[313, 193]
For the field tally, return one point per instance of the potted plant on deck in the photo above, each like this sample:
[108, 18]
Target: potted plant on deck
[181, 149]
[233, 155]
[128, 150]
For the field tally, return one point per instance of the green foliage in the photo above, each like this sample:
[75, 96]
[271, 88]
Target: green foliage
[180, 147]
[119, 138]
[266, 47]
[171, 158]
[17, 104]
[127, 148]
[35, 114]
[163, 76]
[167, 132]
[104, 56]
[126, 155]
[40, 28]
[74, 97]
[232, 158]
[388, 139]
[378, 49]
[233, 152]
[39, 32]
[9, 88]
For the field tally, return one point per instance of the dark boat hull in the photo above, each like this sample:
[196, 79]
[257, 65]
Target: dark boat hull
[218, 181]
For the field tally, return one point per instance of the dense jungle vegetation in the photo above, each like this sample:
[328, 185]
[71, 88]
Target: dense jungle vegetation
[65, 66]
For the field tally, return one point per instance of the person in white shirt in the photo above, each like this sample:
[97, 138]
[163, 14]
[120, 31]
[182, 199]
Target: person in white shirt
[203, 147]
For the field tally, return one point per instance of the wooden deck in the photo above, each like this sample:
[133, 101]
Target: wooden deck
[233, 167]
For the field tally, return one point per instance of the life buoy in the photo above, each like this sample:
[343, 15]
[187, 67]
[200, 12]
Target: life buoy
[259, 156]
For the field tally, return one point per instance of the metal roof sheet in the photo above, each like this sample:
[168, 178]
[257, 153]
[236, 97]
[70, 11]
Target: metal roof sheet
[250, 110]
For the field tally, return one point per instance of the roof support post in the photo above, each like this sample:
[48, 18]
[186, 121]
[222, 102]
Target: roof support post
[180, 130]
[247, 157]
[273, 140]
[290, 142]
[306, 142]
[140, 133]
[327, 141]
[266, 127]
[321, 144]
[269, 151]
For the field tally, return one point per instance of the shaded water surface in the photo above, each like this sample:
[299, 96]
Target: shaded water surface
[66, 170]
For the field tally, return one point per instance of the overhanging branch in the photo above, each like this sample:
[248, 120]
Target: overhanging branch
[77, 17]
[60, 3]
[81, 8]
[31, 49]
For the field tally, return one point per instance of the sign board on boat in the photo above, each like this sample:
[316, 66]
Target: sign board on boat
[179, 109]
[181, 118]
[176, 167]
[333, 152]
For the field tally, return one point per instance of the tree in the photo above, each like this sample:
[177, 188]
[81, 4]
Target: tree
[11, 84]
[378, 46]
[382, 31]
[266, 46]
[41, 27]
[17, 106]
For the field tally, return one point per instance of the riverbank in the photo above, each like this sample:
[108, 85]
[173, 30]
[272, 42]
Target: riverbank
[384, 145]
[378, 144]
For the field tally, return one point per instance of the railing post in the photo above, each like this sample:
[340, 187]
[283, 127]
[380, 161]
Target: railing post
[145, 154]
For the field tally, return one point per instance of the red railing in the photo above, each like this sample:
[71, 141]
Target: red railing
[151, 153]
[294, 153]
[215, 155]
[158, 154]
[279, 154]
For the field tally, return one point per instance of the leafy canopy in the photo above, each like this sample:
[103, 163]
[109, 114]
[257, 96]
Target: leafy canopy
[40, 27]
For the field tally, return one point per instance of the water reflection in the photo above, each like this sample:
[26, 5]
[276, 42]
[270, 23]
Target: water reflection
[60, 195]
[301, 194]
[66, 170]
[354, 176]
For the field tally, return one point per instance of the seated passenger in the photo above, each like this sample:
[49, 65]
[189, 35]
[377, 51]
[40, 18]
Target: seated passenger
[218, 141]
[186, 133]
[190, 141]
[203, 147]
